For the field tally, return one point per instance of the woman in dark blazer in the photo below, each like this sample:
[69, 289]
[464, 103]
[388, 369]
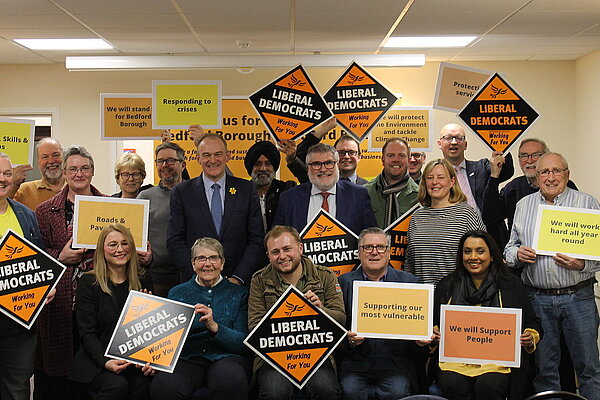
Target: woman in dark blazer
[481, 279]
[101, 296]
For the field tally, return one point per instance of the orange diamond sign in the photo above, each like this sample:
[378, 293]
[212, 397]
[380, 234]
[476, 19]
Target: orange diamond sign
[328, 242]
[398, 231]
[498, 114]
[358, 101]
[295, 337]
[27, 275]
[290, 106]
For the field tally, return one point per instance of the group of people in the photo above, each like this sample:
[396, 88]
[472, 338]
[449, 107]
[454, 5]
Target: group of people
[231, 247]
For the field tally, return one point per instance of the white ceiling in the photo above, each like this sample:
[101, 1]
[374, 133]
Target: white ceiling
[505, 29]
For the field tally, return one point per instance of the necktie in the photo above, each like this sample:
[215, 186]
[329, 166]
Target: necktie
[463, 182]
[345, 178]
[325, 205]
[216, 208]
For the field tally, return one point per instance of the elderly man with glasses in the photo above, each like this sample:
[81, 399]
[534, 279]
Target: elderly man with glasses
[376, 368]
[500, 206]
[345, 201]
[561, 288]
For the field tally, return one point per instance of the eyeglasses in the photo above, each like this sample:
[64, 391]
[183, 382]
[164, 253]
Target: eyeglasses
[416, 156]
[369, 248]
[450, 138]
[316, 165]
[534, 156]
[547, 172]
[113, 246]
[203, 260]
[134, 175]
[169, 161]
[84, 170]
[349, 153]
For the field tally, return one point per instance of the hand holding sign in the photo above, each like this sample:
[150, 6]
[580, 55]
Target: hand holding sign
[207, 317]
[526, 254]
[354, 339]
[313, 298]
[116, 366]
[496, 163]
[563, 260]
[69, 255]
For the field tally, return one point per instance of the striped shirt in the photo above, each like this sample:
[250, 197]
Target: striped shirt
[545, 273]
[433, 237]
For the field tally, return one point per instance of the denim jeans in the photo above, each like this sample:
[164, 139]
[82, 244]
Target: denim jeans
[370, 385]
[577, 316]
[323, 385]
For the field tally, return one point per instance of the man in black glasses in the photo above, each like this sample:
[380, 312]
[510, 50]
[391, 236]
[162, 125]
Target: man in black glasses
[500, 206]
[170, 162]
[347, 147]
[472, 176]
[375, 368]
[345, 201]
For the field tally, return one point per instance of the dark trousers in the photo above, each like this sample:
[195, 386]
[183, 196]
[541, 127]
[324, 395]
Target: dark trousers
[323, 385]
[129, 384]
[226, 379]
[16, 365]
[490, 386]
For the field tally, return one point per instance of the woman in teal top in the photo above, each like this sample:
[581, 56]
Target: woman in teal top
[214, 355]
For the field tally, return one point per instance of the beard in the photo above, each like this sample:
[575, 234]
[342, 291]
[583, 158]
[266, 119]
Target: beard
[52, 175]
[262, 179]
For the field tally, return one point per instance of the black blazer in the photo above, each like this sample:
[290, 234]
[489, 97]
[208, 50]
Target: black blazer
[241, 233]
[97, 314]
[514, 295]
[478, 173]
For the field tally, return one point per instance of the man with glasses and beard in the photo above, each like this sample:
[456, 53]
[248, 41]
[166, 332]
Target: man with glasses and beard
[170, 163]
[500, 206]
[262, 162]
[345, 201]
[49, 161]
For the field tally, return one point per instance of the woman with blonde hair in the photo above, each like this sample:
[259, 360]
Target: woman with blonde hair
[436, 228]
[101, 296]
[130, 172]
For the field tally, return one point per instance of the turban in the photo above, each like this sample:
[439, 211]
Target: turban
[263, 148]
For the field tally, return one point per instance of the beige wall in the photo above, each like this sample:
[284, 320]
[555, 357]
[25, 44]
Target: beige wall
[554, 88]
[586, 136]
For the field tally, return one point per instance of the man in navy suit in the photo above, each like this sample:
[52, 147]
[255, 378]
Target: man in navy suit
[218, 206]
[473, 175]
[347, 202]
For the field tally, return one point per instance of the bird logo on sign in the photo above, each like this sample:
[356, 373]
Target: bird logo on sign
[322, 229]
[292, 308]
[295, 82]
[496, 91]
[354, 78]
[12, 251]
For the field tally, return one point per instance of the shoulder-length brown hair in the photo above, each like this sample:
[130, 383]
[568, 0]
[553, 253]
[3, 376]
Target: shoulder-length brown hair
[133, 268]
[456, 194]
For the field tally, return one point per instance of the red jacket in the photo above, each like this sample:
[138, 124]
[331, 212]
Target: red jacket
[55, 322]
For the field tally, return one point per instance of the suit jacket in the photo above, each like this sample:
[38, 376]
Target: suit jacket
[272, 198]
[353, 207]
[97, 315]
[478, 173]
[241, 233]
